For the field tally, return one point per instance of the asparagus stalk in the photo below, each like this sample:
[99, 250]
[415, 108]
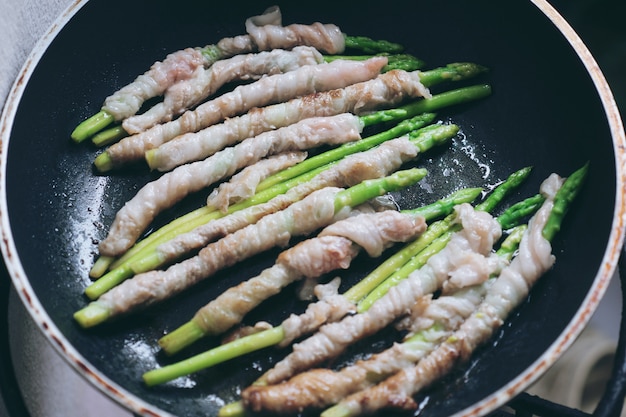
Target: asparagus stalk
[420, 108]
[563, 201]
[371, 46]
[101, 310]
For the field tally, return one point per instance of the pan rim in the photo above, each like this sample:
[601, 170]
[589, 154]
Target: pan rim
[500, 397]
[616, 239]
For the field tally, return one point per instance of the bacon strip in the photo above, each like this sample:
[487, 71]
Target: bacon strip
[243, 185]
[177, 66]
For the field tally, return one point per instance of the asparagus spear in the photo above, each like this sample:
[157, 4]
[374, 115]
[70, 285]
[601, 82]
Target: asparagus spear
[413, 254]
[269, 231]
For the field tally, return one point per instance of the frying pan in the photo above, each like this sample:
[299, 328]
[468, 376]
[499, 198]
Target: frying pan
[550, 109]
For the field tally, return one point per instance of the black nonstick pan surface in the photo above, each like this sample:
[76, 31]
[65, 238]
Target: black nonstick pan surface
[550, 109]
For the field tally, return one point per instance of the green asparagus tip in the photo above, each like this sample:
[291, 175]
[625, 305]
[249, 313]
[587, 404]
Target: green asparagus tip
[463, 70]
[404, 62]
[235, 409]
[91, 126]
[108, 281]
[513, 215]
[338, 410]
[109, 136]
[563, 200]
[370, 46]
[103, 162]
[501, 191]
[152, 158]
[368, 189]
[100, 267]
[452, 72]
[91, 315]
[433, 135]
[185, 335]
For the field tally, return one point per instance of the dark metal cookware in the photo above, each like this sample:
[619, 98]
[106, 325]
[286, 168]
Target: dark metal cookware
[550, 108]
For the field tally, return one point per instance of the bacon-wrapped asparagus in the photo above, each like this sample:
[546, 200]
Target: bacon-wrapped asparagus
[432, 320]
[360, 98]
[508, 291]
[292, 181]
[186, 94]
[372, 232]
[355, 168]
[418, 110]
[329, 307]
[272, 89]
[334, 248]
[316, 210]
[402, 263]
[467, 252]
